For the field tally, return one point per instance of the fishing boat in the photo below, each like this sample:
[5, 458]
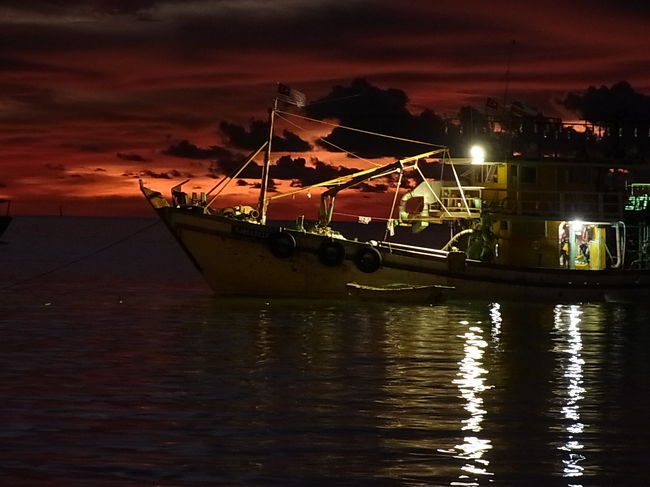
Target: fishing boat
[546, 230]
[5, 219]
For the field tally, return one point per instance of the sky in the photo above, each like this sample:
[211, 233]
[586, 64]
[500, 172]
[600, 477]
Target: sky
[97, 94]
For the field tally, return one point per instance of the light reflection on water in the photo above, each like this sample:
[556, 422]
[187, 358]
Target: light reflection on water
[570, 364]
[496, 320]
[273, 394]
[471, 382]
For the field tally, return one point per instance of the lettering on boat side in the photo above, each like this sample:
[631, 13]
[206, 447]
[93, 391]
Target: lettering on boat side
[250, 231]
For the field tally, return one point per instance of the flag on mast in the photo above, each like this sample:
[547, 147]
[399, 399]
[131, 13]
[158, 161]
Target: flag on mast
[291, 96]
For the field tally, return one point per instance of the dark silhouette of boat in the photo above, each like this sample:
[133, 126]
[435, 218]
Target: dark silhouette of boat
[5, 219]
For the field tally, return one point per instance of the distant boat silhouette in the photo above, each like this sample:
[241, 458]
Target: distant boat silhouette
[6, 218]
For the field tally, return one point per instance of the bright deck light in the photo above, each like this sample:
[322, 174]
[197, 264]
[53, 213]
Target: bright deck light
[478, 154]
[577, 224]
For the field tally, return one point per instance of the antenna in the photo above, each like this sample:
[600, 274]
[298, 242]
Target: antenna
[511, 47]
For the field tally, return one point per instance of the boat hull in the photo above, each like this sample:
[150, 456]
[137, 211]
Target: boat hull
[239, 258]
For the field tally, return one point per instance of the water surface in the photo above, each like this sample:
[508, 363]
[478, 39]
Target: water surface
[120, 369]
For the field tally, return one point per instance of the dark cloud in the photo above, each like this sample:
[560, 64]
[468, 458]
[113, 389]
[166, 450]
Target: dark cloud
[372, 188]
[221, 167]
[252, 138]
[301, 174]
[620, 104]
[228, 163]
[132, 157]
[55, 167]
[186, 150]
[363, 106]
[100, 169]
[298, 170]
[172, 174]
[271, 188]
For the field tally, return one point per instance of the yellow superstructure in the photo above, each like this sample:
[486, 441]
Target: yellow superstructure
[550, 214]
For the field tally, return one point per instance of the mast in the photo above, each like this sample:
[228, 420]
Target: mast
[263, 203]
[506, 117]
[511, 47]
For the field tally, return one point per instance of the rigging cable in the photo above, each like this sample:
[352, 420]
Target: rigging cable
[359, 216]
[330, 143]
[362, 131]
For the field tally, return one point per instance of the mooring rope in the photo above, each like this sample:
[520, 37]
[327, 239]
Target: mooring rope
[82, 258]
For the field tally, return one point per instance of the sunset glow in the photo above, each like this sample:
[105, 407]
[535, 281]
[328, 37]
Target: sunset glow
[96, 95]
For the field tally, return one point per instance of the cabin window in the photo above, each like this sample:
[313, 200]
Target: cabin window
[528, 175]
[531, 229]
[579, 175]
[582, 246]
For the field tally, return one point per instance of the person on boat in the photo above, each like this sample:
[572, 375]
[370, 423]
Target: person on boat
[564, 252]
[482, 243]
[564, 246]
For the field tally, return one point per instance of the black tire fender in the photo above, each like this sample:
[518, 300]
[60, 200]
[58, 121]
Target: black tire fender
[368, 259]
[331, 253]
[281, 244]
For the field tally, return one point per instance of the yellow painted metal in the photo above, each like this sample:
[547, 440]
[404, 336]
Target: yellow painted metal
[597, 250]
[344, 179]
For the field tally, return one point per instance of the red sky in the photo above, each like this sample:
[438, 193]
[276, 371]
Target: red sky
[93, 92]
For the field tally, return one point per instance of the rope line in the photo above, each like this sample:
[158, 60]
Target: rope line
[82, 258]
[330, 143]
[357, 216]
[362, 131]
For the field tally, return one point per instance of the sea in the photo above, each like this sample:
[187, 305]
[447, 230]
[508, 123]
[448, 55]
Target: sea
[118, 367]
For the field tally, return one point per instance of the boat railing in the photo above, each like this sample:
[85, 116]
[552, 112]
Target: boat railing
[555, 204]
[456, 204]
[451, 213]
[390, 246]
